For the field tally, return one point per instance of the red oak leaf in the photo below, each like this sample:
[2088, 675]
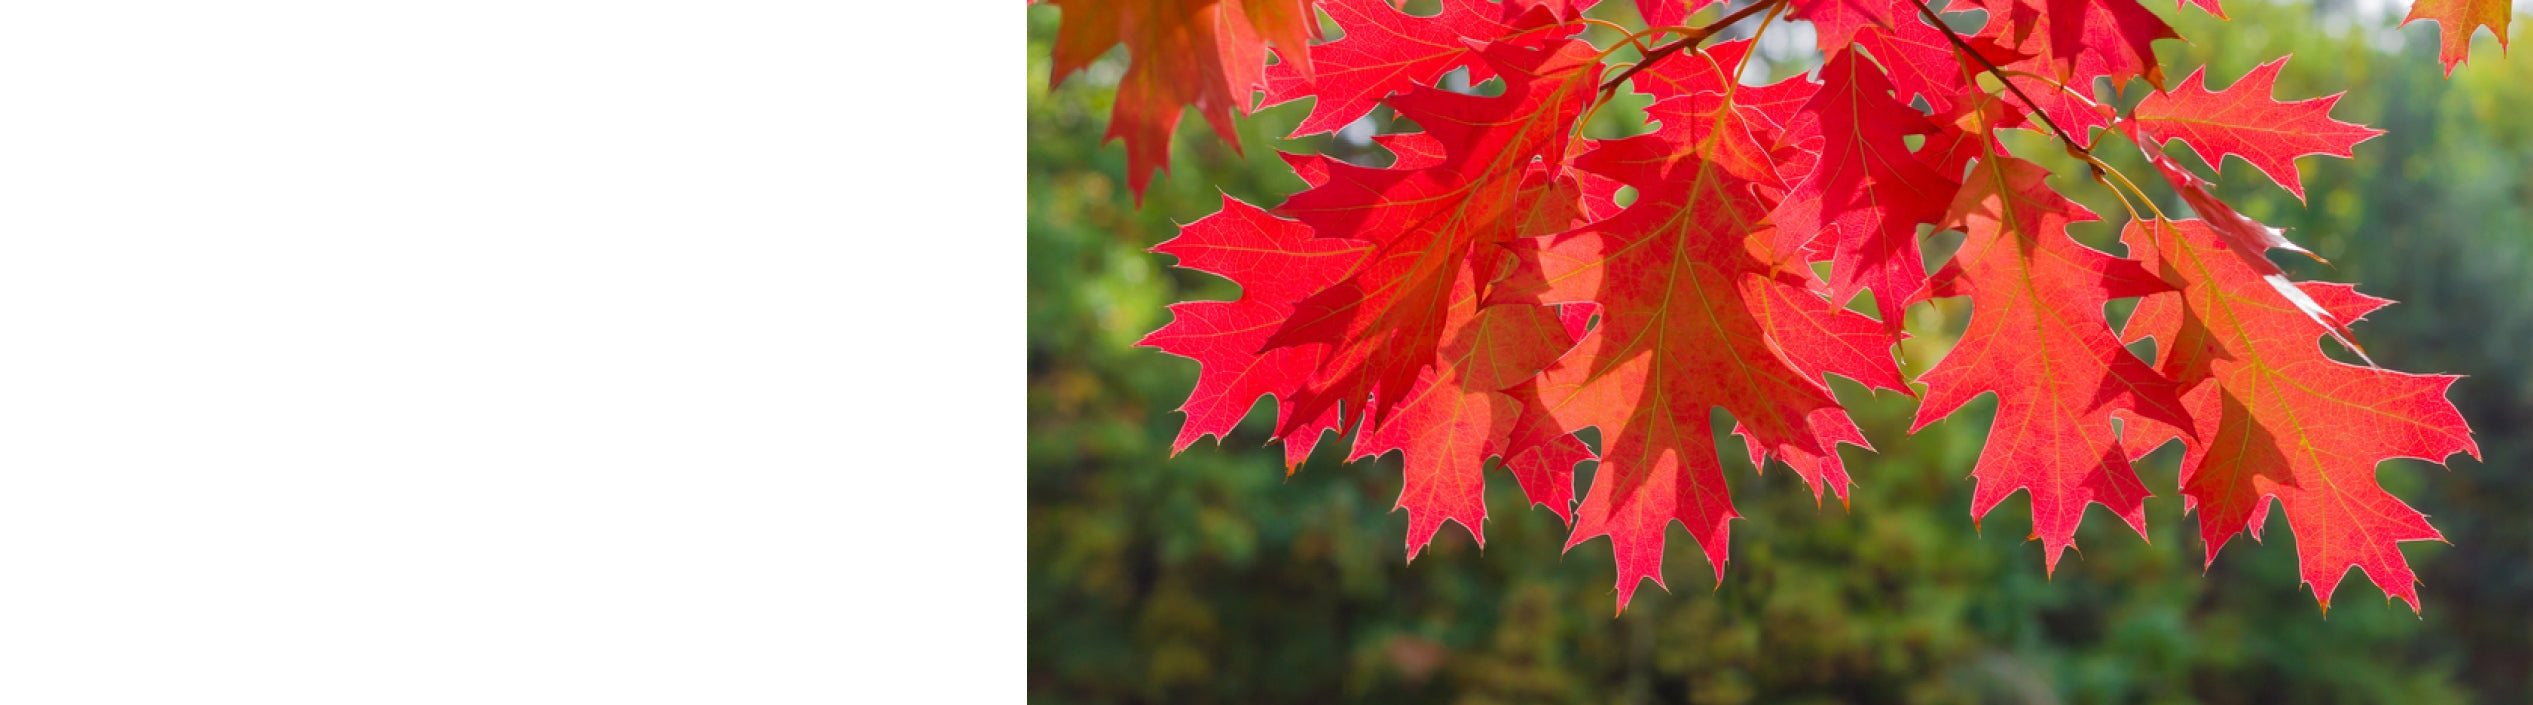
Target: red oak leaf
[1459, 416]
[1540, 457]
[1486, 296]
[1205, 54]
[1382, 325]
[1384, 51]
[1818, 338]
[2276, 418]
[1868, 193]
[2456, 20]
[1672, 276]
[2249, 240]
[2037, 339]
[2245, 122]
[1276, 262]
[2076, 41]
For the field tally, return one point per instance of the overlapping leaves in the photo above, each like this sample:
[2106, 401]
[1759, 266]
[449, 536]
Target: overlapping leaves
[1488, 295]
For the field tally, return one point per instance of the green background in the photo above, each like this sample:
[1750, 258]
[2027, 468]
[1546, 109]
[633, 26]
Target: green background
[1213, 577]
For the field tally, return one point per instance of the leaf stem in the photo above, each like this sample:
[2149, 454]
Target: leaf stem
[2069, 90]
[2132, 186]
[1631, 38]
[1744, 65]
[1608, 25]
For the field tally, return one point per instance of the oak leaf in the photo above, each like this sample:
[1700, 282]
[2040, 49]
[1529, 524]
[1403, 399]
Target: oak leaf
[2244, 122]
[2038, 340]
[1869, 193]
[1204, 54]
[1276, 262]
[1496, 288]
[1681, 279]
[2456, 20]
[2275, 418]
[1382, 325]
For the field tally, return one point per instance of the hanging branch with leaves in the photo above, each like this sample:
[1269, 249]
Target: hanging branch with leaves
[1487, 295]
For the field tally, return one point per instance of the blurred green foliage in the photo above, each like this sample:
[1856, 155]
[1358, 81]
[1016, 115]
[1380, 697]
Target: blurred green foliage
[1213, 577]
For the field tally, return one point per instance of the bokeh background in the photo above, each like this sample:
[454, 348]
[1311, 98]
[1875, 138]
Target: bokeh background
[1214, 577]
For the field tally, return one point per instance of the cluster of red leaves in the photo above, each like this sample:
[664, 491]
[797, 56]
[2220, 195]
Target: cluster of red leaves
[1487, 295]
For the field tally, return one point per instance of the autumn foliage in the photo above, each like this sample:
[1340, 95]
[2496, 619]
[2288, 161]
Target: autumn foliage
[1505, 282]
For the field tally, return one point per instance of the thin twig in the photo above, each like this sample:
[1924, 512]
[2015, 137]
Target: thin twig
[1999, 72]
[1694, 37]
